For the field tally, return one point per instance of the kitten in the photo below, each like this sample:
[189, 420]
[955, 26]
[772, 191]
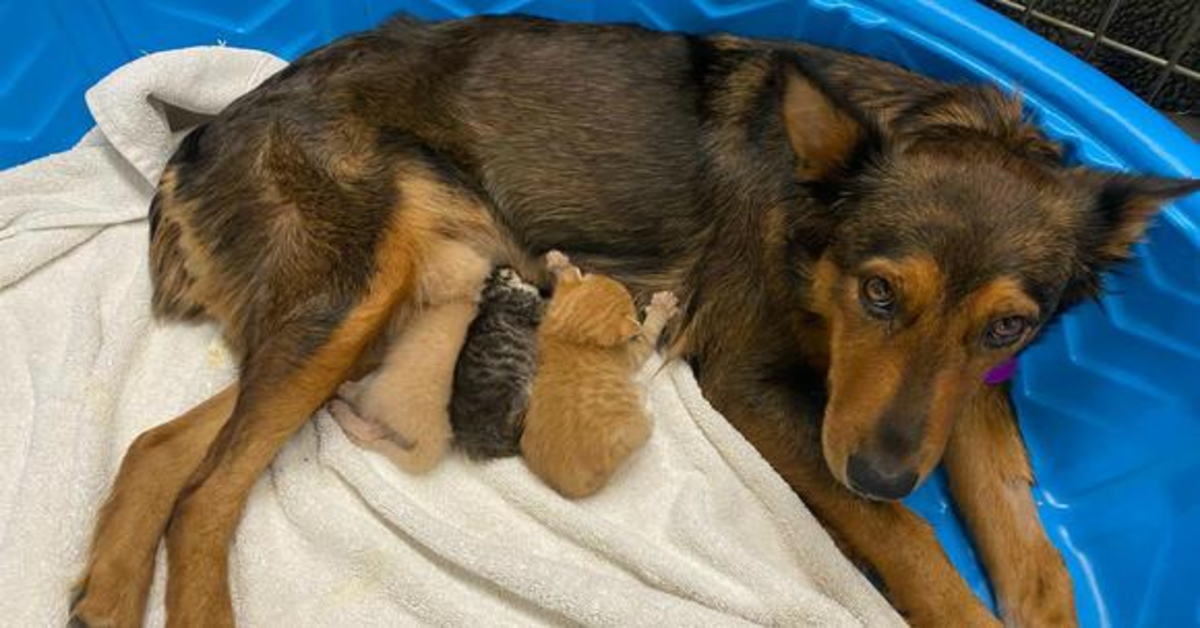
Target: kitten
[496, 367]
[402, 410]
[585, 413]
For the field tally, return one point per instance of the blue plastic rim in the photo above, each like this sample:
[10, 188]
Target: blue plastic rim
[1109, 399]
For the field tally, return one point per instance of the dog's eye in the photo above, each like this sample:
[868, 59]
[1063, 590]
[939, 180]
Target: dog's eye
[877, 296]
[1005, 331]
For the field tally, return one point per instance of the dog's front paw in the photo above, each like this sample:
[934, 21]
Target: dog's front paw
[937, 609]
[1045, 596]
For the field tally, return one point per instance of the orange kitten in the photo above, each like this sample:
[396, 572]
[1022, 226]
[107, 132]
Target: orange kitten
[585, 413]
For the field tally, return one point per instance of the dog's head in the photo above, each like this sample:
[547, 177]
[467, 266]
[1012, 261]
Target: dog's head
[952, 238]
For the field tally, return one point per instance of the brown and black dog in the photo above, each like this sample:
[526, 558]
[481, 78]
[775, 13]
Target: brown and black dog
[854, 247]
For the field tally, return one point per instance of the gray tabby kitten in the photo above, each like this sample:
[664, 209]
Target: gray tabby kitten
[495, 369]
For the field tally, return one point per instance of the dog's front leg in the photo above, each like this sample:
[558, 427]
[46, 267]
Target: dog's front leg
[990, 479]
[893, 542]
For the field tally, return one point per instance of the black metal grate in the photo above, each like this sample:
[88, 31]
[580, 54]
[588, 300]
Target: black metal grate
[1150, 46]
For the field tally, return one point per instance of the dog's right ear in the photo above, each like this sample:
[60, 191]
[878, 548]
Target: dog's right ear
[828, 137]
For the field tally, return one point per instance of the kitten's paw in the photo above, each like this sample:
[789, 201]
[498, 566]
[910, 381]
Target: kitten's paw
[561, 266]
[412, 431]
[557, 261]
[351, 392]
[664, 304]
[509, 278]
[358, 428]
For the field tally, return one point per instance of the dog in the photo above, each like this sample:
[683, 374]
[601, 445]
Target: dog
[854, 246]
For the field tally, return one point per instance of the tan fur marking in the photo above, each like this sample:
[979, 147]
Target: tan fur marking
[208, 286]
[870, 363]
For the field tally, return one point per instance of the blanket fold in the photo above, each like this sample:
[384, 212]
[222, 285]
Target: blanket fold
[695, 530]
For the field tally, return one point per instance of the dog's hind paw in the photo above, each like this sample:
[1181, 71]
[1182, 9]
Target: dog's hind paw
[94, 605]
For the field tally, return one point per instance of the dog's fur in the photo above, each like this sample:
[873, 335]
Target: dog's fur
[848, 241]
[586, 415]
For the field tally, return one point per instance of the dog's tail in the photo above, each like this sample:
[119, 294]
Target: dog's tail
[172, 282]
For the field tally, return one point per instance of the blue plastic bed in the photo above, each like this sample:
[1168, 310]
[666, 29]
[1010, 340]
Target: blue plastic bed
[1109, 399]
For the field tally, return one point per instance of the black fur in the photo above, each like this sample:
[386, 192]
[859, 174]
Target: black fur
[494, 373]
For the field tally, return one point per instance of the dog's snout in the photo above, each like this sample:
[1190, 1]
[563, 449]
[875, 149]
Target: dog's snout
[878, 480]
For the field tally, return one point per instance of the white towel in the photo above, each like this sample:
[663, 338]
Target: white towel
[695, 530]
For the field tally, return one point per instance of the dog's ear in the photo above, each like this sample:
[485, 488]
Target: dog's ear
[1118, 209]
[829, 138]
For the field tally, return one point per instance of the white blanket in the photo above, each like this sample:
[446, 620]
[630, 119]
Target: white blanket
[696, 530]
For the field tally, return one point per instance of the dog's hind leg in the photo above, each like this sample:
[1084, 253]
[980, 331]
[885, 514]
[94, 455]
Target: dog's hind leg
[156, 467]
[281, 388]
[315, 346]
[990, 479]
[284, 381]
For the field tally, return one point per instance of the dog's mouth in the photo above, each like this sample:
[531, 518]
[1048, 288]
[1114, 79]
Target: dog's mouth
[871, 460]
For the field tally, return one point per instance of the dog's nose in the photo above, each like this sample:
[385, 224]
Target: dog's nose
[872, 481]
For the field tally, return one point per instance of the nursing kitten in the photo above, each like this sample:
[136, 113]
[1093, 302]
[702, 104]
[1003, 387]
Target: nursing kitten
[586, 415]
[402, 409]
[495, 370]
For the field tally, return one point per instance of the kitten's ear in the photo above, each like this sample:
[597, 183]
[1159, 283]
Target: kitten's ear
[828, 138]
[569, 275]
[612, 333]
[1118, 209]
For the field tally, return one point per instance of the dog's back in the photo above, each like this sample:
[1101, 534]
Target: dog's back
[595, 136]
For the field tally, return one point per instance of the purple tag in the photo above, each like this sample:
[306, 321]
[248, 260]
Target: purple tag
[1001, 373]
